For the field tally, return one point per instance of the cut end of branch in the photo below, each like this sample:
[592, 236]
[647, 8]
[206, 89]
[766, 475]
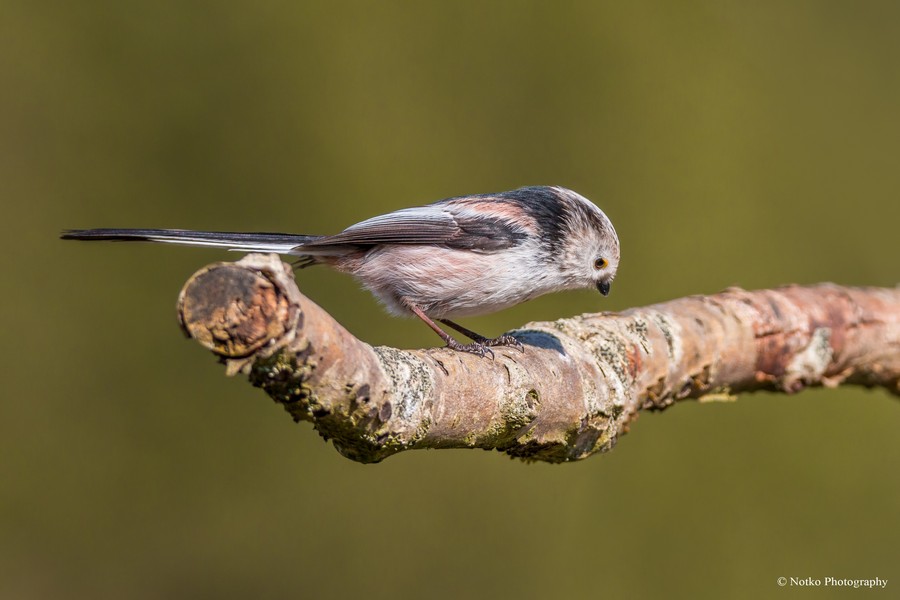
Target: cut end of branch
[233, 310]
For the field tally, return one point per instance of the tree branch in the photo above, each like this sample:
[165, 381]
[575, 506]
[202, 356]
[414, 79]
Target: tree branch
[572, 392]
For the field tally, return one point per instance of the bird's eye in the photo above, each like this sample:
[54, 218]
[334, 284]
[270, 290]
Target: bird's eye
[600, 263]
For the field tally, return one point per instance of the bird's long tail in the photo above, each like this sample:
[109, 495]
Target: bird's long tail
[280, 243]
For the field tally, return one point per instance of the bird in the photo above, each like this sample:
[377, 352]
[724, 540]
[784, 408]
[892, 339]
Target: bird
[457, 257]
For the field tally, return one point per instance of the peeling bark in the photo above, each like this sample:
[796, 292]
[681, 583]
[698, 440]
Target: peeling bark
[572, 392]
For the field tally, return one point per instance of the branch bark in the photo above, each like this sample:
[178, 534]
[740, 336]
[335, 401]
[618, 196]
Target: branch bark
[574, 390]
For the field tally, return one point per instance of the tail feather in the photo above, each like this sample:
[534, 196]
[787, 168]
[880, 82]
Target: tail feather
[281, 243]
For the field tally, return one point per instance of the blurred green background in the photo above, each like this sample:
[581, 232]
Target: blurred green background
[732, 143]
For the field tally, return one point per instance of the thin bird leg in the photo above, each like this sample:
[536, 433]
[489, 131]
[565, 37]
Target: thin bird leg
[503, 340]
[475, 347]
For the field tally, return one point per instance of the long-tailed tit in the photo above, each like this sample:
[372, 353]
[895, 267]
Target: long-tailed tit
[457, 257]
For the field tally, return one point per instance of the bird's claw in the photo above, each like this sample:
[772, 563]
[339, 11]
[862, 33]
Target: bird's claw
[481, 346]
[504, 340]
[477, 348]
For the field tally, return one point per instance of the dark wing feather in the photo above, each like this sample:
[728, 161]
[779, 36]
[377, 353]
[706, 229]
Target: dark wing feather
[424, 225]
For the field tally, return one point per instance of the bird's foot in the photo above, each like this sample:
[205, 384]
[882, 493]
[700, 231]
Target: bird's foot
[503, 340]
[477, 348]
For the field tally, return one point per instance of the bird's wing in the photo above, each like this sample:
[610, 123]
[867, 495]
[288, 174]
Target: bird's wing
[423, 225]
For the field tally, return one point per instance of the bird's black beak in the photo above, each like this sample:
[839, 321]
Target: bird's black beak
[604, 286]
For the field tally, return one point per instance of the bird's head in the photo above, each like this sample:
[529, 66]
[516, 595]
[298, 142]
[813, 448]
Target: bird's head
[590, 256]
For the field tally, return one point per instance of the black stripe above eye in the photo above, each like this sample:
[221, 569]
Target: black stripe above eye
[550, 212]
